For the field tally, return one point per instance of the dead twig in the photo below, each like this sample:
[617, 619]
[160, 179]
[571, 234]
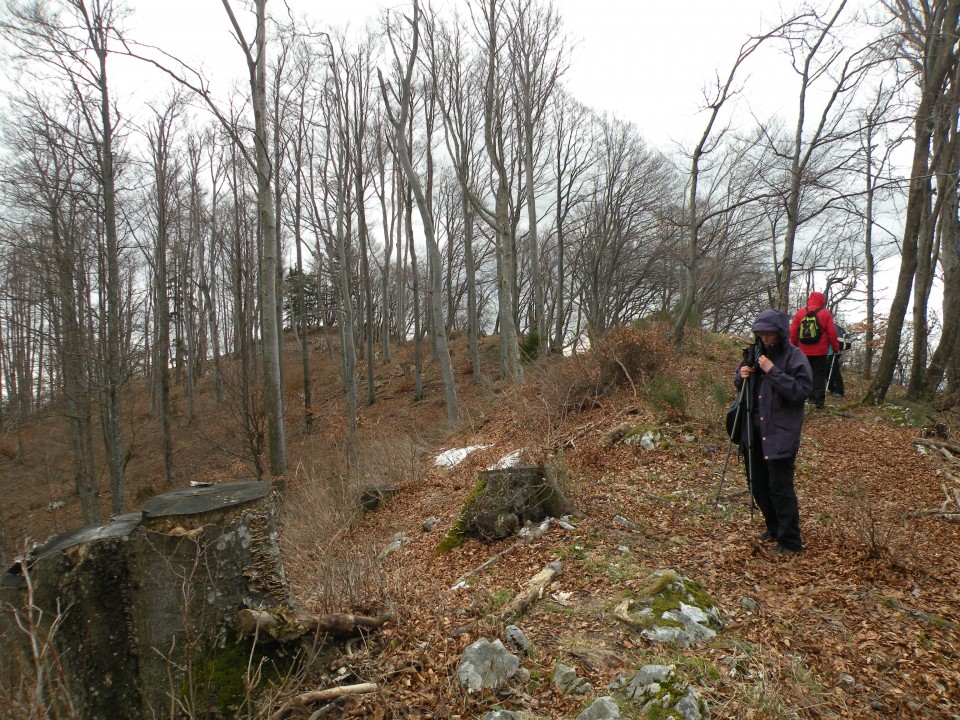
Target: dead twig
[939, 445]
[627, 374]
[318, 696]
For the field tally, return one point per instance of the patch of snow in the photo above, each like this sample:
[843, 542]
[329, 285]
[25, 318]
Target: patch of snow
[507, 461]
[451, 458]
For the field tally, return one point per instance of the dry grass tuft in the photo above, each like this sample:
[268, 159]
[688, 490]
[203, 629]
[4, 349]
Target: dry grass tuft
[332, 567]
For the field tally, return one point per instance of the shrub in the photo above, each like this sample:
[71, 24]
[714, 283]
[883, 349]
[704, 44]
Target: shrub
[530, 346]
[629, 354]
[666, 392]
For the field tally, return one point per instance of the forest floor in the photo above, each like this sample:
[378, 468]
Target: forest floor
[863, 624]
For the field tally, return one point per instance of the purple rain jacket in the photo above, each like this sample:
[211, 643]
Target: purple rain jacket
[782, 391]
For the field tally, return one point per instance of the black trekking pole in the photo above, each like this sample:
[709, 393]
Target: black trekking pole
[744, 403]
[833, 361]
[737, 419]
[749, 449]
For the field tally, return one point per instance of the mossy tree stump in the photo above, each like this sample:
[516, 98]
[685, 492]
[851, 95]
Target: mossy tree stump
[504, 500]
[142, 601]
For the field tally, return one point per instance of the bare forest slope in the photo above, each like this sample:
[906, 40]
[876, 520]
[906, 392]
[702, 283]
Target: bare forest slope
[863, 624]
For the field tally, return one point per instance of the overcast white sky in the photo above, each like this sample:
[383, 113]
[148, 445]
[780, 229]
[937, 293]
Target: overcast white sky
[643, 61]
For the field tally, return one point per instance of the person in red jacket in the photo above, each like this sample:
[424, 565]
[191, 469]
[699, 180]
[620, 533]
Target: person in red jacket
[813, 331]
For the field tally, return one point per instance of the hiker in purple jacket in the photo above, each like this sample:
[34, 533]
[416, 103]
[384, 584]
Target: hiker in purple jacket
[779, 382]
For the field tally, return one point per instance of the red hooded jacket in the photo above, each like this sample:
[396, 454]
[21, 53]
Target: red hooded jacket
[828, 338]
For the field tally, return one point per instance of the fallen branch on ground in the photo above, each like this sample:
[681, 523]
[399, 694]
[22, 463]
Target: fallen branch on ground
[261, 622]
[318, 696]
[937, 444]
[533, 590]
[951, 495]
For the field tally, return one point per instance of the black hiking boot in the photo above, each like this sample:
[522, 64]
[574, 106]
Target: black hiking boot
[784, 551]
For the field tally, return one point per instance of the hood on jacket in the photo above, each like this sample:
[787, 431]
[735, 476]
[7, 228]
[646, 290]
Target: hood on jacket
[771, 320]
[816, 300]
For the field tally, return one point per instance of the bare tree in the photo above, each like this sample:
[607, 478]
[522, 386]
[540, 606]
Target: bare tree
[716, 98]
[489, 22]
[255, 55]
[73, 38]
[538, 58]
[457, 87]
[47, 183]
[823, 65]
[625, 252]
[159, 138]
[930, 35]
[402, 97]
[573, 159]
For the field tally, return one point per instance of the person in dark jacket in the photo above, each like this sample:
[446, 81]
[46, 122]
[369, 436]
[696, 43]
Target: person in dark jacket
[779, 382]
[834, 374]
[816, 352]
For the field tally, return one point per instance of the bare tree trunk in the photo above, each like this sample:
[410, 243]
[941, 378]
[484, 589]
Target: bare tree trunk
[159, 138]
[269, 260]
[438, 326]
[473, 321]
[870, 269]
[939, 38]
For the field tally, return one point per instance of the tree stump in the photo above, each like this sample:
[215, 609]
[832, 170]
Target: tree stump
[79, 583]
[146, 601]
[199, 556]
[503, 500]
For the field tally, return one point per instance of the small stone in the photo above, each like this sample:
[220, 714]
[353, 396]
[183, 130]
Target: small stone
[750, 604]
[603, 708]
[518, 641]
[564, 676]
[621, 520]
[501, 715]
[430, 523]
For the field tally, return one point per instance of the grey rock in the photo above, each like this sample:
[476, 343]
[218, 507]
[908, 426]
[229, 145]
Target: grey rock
[750, 604]
[621, 520]
[581, 686]
[603, 708]
[695, 627]
[564, 676]
[655, 674]
[430, 523]
[689, 707]
[501, 715]
[486, 665]
[657, 688]
[518, 641]
[390, 549]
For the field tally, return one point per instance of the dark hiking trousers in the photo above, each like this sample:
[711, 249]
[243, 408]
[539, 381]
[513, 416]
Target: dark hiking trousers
[834, 378]
[772, 486]
[820, 365]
